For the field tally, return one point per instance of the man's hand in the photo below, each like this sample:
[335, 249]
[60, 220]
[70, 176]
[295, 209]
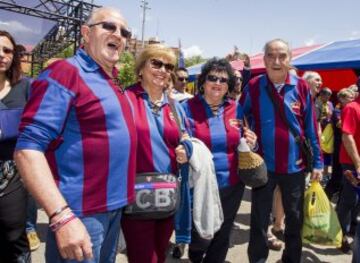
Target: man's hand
[355, 181]
[74, 241]
[316, 175]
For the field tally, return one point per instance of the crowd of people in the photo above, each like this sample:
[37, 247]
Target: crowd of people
[84, 144]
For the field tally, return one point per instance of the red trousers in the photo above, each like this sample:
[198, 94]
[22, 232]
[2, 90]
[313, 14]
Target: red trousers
[147, 240]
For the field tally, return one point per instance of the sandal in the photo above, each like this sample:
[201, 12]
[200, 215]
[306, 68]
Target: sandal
[274, 244]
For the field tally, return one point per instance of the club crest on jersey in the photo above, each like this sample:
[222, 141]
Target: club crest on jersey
[295, 106]
[236, 123]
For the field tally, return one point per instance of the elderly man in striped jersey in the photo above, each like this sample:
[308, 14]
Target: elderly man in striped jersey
[277, 145]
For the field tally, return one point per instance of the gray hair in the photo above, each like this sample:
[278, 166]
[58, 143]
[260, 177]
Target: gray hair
[267, 45]
[98, 12]
[309, 75]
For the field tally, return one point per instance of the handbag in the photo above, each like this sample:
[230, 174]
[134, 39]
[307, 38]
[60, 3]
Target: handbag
[252, 169]
[304, 143]
[9, 122]
[157, 195]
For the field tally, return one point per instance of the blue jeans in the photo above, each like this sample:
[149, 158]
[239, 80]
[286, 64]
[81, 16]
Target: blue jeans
[103, 229]
[31, 214]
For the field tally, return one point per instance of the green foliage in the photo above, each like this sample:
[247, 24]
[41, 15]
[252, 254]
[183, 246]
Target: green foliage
[66, 53]
[194, 60]
[127, 69]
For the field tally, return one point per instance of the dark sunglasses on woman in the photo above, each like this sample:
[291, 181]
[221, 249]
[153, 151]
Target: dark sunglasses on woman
[158, 64]
[112, 27]
[213, 78]
[7, 50]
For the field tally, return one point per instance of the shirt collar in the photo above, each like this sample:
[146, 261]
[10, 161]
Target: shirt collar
[87, 63]
[290, 80]
[140, 91]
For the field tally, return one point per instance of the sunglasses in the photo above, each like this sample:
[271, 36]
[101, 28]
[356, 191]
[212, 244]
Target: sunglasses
[112, 27]
[238, 78]
[158, 64]
[213, 78]
[182, 79]
[7, 51]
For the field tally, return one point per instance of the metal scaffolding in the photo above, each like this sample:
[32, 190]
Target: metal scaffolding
[68, 15]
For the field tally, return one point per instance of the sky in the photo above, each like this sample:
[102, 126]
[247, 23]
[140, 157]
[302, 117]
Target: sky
[213, 27]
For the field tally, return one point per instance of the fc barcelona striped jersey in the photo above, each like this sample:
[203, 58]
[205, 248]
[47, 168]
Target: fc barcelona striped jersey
[157, 132]
[276, 143]
[220, 132]
[84, 125]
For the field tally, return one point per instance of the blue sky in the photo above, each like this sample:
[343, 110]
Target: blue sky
[213, 27]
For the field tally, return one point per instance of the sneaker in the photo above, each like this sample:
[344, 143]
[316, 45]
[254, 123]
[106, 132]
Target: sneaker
[34, 241]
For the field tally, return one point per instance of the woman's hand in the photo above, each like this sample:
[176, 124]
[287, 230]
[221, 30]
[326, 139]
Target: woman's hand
[180, 153]
[250, 137]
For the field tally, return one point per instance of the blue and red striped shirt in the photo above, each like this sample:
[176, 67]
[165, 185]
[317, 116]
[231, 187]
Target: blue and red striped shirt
[84, 125]
[276, 143]
[220, 133]
[157, 132]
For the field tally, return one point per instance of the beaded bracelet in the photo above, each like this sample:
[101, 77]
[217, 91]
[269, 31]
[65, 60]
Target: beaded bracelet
[58, 211]
[62, 221]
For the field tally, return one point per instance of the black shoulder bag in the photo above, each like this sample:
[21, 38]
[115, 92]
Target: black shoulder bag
[303, 143]
[157, 195]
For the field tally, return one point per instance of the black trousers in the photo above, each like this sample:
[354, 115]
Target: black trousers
[215, 250]
[14, 245]
[292, 188]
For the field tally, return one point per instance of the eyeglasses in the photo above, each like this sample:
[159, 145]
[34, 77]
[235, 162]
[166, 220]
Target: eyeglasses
[7, 51]
[182, 79]
[112, 27]
[213, 78]
[238, 79]
[158, 64]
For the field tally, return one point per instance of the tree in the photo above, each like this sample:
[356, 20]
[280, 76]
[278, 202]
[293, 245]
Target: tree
[194, 60]
[127, 69]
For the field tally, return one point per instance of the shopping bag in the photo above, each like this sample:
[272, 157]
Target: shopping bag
[321, 224]
[327, 139]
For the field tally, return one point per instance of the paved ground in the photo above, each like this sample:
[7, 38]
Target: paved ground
[237, 252]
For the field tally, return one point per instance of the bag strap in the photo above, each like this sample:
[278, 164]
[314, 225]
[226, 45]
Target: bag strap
[282, 115]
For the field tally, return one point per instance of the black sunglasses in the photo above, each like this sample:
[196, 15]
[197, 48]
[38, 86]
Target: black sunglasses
[182, 79]
[213, 78]
[7, 50]
[112, 27]
[158, 64]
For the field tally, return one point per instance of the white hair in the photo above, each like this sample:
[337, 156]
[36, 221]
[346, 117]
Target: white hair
[309, 75]
[99, 12]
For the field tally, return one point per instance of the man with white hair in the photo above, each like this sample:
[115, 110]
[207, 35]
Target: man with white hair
[77, 145]
[314, 80]
[262, 100]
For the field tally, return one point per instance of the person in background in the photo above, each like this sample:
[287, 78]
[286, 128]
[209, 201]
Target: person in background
[325, 110]
[158, 147]
[242, 78]
[31, 217]
[76, 150]
[216, 120]
[350, 158]
[14, 91]
[344, 96]
[179, 89]
[277, 145]
[355, 89]
[315, 82]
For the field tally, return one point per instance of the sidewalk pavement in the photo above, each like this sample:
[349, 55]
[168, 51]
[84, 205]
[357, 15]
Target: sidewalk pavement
[237, 251]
